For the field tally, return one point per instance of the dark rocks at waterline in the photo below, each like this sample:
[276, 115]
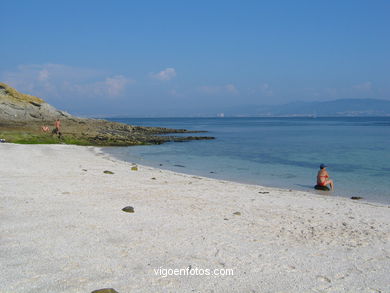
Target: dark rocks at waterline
[356, 197]
[188, 138]
[105, 290]
[108, 172]
[128, 209]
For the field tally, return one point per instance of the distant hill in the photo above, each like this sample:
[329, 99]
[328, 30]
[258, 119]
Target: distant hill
[341, 107]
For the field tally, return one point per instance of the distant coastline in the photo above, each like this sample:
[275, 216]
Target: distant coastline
[330, 108]
[233, 116]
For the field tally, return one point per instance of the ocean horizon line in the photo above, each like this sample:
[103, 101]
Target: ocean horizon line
[233, 116]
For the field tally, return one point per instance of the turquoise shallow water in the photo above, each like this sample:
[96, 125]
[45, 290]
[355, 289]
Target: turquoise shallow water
[279, 152]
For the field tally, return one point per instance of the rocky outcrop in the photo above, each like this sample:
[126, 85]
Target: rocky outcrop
[18, 107]
[21, 118]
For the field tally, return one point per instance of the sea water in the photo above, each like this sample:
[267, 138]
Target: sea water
[277, 152]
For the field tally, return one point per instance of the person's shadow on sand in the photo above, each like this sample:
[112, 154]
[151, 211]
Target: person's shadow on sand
[305, 186]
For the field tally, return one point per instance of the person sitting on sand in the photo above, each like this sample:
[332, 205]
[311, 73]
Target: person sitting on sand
[323, 177]
[45, 128]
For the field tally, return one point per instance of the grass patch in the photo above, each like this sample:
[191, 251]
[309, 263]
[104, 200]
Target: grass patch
[32, 138]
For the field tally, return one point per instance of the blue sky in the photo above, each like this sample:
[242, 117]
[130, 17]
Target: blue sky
[141, 58]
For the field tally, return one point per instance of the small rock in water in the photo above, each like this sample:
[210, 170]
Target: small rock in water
[105, 290]
[212, 172]
[237, 213]
[161, 164]
[181, 166]
[108, 172]
[134, 168]
[128, 209]
[356, 197]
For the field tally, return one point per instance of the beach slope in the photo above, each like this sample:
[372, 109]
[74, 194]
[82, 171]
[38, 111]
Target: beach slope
[62, 229]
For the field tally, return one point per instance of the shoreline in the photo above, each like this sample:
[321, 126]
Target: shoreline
[62, 229]
[278, 153]
[375, 200]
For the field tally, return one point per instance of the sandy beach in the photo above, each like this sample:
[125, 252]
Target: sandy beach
[63, 230]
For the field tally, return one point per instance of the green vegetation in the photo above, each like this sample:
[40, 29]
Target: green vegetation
[33, 138]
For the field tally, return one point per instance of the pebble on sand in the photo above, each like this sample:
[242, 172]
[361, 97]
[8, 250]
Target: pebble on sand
[356, 197]
[105, 290]
[108, 172]
[128, 209]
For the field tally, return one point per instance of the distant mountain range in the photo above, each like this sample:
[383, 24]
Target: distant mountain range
[341, 107]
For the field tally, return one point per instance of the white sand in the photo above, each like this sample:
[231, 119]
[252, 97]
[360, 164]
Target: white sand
[62, 230]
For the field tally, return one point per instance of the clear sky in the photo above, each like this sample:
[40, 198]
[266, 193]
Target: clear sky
[140, 58]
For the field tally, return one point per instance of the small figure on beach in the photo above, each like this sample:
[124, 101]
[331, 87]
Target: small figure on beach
[323, 179]
[45, 128]
[57, 128]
